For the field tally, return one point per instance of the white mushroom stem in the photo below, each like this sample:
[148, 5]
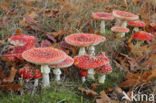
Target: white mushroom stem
[45, 70]
[122, 35]
[136, 29]
[102, 27]
[91, 74]
[57, 73]
[36, 83]
[82, 51]
[83, 79]
[92, 50]
[102, 78]
[124, 24]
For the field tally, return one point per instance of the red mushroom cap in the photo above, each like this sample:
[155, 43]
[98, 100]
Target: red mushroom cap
[64, 64]
[37, 74]
[142, 35]
[125, 15]
[83, 73]
[83, 39]
[44, 55]
[105, 69]
[90, 62]
[136, 23]
[17, 51]
[120, 29]
[25, 73]
[103, 16]
[21, 40]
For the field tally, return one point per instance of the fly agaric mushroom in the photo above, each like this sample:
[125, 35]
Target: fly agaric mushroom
[142, 35]
[64, 64]
[89, 63]
[81, 40]
[103, 16]
[44, 57]
[125, 16]
[120, 30]
[136, 24]
[83, 74]
[36, 75]
[25, 73]
[21, 43]
[21, 40]
[106, 69]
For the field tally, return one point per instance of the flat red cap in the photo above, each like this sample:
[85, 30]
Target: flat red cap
[84, 39]
[120, 29]
[142, 35]
[37, 74]
[125, 15]
[103, 16]
[21, 40]
[136, 23]
[90, 62]
[64, 64]
[106, 69]
[44, 55]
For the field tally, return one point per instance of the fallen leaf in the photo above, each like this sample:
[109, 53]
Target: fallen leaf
[105, 99]
[88, 92]
[5, 7]
[94, 85]
[11, 76]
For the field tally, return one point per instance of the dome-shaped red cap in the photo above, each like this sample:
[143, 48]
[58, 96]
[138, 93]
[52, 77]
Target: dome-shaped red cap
[136, 23]
[90, 62]
[25, 73]
[83, 39]
[103, 16]
[21, 40]
[64, 64]
[44, 55]
[142, 35]
[125, 15]
[105, 69]
[37, 74]
[83, 73]
[120, 29]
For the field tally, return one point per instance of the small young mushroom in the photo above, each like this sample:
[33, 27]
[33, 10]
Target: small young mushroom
[103, 16]
[37, 75]
[125, 16]
[83, 74]
[25, 74]
[89, 63]
[120, 30]
[44, 57]
[64, 64]
[106, 69]
[81, 40]
[136, 24]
